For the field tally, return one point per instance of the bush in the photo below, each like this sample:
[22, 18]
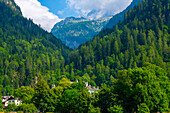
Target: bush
[143, 108]
[116, 109]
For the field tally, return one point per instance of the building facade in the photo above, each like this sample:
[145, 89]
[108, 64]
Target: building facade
[6, 100]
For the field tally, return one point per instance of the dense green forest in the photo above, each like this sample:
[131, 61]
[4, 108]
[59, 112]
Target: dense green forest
[130, 63]
[27, 52]
[120, 16]
[144, 89]
[143, 36]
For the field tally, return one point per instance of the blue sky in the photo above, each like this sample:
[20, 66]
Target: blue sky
[59, 8]
[48, 12]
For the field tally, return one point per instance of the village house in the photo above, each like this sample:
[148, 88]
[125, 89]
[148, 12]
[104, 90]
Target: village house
[6, 100]
[91, 89]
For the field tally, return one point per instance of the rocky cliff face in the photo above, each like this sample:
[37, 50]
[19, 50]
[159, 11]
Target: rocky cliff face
[75, 31]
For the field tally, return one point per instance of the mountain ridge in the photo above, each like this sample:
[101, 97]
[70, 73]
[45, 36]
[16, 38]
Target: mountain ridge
[143, 36]
[75, 31]
[27, 51]
[120, 16]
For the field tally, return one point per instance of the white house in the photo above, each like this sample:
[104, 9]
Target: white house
[91, 89]
[15, 101]
[6, 100]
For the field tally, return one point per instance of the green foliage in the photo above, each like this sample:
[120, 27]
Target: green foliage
[143, 108]
[27, 52]
[69, 100]
[9, 90]
[11, 107]
[83, 102]
[75, 101]
[107, 98]
[141, 37]
[144, 89]
[64, 83]
[104, 98]
[29, 108]
[115, 109]
[148, 84]
[1, 106]
[117, 58]
[43, 97]
[92, 109]
[70, 97]
[24, 93]
[86, 77]
[120, 16]
[78, 85]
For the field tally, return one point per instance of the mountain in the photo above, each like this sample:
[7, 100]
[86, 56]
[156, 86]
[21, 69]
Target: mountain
[27, 52]
[13, 6]
[75, 31]
[130, 62]
[120, 16]
[143, 36]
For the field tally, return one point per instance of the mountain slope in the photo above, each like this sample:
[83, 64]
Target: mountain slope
[120, 16]
[12, 5]
[75, 31]
[143, 36]
[27, 52]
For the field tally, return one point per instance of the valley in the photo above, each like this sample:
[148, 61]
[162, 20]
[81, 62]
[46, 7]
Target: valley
[123, 68]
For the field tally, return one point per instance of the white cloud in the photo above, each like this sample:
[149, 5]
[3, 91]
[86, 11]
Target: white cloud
[102, 7]
[40, 14]
[60, 12]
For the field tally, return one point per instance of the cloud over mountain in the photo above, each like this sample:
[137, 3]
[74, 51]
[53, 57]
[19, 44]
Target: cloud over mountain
[99, 8]
[40, 14]
[92, 9]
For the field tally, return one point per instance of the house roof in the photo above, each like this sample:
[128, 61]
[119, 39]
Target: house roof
[6, 98]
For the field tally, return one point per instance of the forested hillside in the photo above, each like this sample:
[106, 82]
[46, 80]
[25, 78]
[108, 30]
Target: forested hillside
[130, 63]
[27, 52]
[120, 16]
[143, 36]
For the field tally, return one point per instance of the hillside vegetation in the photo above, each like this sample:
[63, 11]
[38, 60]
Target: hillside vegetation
[143, 36]
[26, 50]
[130, 63]
[120, 16]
